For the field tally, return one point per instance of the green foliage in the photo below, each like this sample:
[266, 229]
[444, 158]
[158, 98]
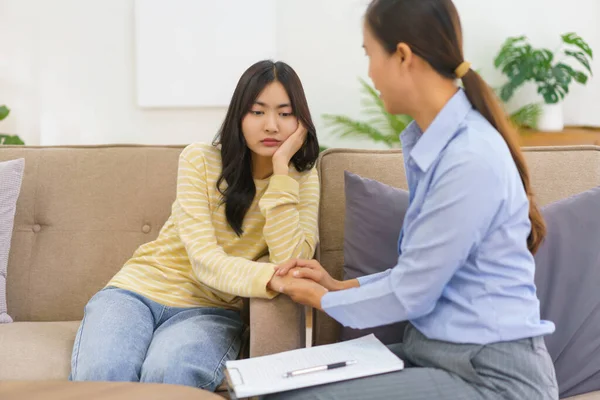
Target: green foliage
[522, 63]
[8, 139]
[4, 111]
[381, 127]
[526, 116]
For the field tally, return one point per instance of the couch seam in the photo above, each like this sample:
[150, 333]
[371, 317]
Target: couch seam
[33, 242]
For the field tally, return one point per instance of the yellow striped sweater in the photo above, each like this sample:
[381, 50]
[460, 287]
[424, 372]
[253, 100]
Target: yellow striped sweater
[198, 260]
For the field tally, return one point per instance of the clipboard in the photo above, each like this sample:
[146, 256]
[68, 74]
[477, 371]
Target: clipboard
[249, 378]
[229, 384]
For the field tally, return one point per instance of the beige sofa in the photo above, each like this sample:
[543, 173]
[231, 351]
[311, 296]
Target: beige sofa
[84, 210]
[556, 173]
[81, 213]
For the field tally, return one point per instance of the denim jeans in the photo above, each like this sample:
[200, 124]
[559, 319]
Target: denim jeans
[127, 337]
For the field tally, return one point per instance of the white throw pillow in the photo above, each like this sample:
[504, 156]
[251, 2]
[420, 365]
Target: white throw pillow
[11, 176]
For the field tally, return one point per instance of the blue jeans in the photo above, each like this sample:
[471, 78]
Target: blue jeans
[127, 337]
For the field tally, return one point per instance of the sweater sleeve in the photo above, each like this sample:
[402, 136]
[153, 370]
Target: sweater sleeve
[211, 265]
[290, 209]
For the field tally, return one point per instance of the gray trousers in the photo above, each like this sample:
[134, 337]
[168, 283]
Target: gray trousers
[435, 370]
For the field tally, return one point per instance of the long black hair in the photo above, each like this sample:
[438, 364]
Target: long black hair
[432, 30]
[239, 189]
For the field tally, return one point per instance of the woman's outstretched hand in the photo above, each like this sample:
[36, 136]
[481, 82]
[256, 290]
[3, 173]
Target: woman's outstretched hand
[309, 269]
[302, 291]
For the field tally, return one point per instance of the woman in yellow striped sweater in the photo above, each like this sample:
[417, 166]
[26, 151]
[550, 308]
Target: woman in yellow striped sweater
[172, 313]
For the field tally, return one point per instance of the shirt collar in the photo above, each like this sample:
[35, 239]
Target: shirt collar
[425, 147]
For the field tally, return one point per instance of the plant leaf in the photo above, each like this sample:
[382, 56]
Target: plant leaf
[380, 127]
[346, 126]
[563, 74]
[527, 116]
[580, 77]
[372, 93]
[396, 124]
[580, 56]
[550, 93]
[576, 40]
[4, 111]
[509, 50]
[8, 139]
[508, 90]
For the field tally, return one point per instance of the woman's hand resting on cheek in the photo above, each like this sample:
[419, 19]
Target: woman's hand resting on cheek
[287, 150]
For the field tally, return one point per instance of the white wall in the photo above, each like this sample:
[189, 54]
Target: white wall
[67, 70]
[68, 76]
[486, 24]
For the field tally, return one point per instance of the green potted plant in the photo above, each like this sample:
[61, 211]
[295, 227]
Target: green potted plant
[8, 139]
[383, 127]
[522, 63]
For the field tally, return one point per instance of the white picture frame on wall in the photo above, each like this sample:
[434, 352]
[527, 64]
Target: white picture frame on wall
[191, 53]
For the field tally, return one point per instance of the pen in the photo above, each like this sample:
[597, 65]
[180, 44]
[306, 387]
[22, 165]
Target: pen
[318, 368]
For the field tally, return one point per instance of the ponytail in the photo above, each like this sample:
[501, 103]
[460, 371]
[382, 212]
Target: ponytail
[484, 100]
[432, 30]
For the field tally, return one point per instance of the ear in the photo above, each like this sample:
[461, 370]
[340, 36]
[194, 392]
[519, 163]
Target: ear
[404, 54]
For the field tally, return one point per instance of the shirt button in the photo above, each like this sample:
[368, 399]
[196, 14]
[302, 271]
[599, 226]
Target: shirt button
[146, 228]
[36, 228]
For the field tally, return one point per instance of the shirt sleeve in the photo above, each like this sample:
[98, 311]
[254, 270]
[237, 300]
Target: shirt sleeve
[290, 209]
[364, 280]
[211, 265]
[458, 211]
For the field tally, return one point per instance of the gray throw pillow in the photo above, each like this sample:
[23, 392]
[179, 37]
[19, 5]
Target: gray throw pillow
[374, 216]
[568, 284]
[11, 175]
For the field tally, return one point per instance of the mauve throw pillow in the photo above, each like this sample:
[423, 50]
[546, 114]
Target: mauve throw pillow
[568, 283]
[11, 175]
[374, 217]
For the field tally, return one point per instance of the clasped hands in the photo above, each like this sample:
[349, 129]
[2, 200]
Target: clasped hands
[306, 282]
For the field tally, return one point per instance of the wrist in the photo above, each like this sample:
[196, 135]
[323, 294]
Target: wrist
[273, 283]
[319, 298]
[280, 167]
[337, 285]
[344, 285]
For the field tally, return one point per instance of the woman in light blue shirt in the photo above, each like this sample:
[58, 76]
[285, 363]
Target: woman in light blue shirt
[465, 274]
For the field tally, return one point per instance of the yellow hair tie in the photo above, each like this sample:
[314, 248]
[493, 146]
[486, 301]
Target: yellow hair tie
[462, 69]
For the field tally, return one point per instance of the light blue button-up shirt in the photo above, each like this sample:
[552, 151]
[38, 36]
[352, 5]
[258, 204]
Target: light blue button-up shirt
[464, 274]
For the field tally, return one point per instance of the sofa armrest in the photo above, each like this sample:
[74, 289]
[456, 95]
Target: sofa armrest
[276, 325]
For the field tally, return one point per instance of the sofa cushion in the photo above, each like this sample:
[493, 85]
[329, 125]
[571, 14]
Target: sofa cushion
[374, 216]
[587, 396]
[568, 278]
[36, 350]
[11, 175]
[40, 351]
[81, 214]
